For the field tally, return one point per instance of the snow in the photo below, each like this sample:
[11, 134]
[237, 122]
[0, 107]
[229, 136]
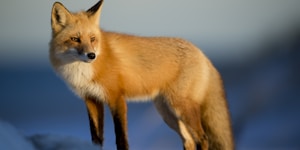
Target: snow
[12, 139]
[57, 142]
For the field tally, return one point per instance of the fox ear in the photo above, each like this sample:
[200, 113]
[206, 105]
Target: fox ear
[95, 11]
[59, 16]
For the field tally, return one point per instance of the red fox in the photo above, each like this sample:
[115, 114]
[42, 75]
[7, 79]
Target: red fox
[109, 68]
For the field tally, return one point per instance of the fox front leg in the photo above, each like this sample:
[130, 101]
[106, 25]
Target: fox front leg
[118, 110]
[96, 118]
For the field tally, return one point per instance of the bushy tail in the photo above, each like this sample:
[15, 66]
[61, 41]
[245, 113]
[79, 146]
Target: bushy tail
[216, 120]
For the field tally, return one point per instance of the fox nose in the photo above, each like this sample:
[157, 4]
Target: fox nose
[91, 55]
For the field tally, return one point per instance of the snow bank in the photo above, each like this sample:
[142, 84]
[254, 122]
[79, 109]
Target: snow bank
[57, 142]
[12, 139]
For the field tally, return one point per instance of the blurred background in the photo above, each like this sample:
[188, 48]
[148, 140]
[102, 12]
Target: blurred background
[254, 44]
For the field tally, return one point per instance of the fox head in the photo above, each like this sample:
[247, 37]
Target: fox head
[75, 36]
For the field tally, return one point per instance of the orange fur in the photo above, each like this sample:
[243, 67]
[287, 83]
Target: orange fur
[107, 67]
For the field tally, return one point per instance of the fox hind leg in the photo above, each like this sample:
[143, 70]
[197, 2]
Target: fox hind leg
[185, 120]
[188, 111]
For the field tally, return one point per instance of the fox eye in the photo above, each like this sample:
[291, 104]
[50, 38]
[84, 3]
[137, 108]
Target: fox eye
[75, 39]
[93, 39]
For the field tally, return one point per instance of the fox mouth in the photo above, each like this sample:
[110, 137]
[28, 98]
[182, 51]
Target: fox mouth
[73, 55]
[87, 57]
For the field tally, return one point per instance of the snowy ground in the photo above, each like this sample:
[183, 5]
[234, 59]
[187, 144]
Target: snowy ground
[12, 139]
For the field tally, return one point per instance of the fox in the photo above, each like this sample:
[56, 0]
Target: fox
[107, 68]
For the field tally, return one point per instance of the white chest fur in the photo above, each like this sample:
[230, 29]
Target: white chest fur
[79, 76]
